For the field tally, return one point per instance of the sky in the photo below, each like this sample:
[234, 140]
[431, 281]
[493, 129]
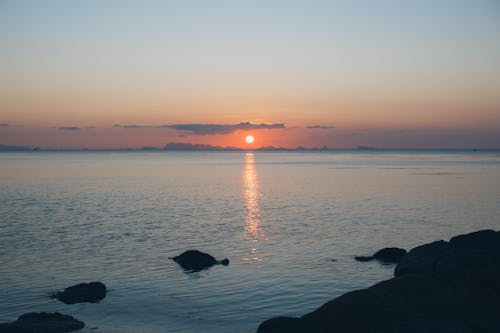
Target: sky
[120, 74]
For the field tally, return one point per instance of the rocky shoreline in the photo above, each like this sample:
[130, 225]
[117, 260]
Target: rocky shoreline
[439, 287]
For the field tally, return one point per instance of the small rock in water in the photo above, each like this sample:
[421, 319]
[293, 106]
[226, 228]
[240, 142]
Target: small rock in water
[91, 292]
[363, 258]
[390, 254]
[194, 260]
[42, 322]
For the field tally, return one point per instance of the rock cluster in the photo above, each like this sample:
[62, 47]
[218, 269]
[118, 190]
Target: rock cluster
[42, 322]
[440, 287]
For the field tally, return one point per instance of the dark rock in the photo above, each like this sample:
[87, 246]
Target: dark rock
[479, 240]
[91, 292]
[457, 262]
[441, 287]
[42, 323]
[422, 259]
[363, 258]
[282, 325]
[390, 254]
[387, 255]
[194, 260]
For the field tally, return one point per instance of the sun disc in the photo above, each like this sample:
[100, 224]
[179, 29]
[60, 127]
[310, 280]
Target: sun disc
[249, 139]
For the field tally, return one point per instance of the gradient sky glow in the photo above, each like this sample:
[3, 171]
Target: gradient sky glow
[396, 74]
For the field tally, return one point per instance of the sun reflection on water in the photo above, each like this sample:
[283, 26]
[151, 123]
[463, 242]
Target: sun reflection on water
[253, 229]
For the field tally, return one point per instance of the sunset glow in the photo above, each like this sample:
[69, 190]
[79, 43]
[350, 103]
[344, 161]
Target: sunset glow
[384, 79]
[249, 139]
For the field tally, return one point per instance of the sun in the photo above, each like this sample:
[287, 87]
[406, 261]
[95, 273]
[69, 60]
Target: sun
[249, 139]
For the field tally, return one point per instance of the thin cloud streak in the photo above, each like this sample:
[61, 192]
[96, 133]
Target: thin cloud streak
[320, 127]
[69, 128]
[135, 126]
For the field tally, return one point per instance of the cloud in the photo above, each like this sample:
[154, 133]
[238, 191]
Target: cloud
[69, 128]
[211, 129]
[4, 125]
[320, 127]
[134, 126]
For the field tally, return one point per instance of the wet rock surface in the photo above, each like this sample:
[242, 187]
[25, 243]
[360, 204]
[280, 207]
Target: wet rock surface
[42, 322]
[194, 260]
[91, 292]
[440, 287]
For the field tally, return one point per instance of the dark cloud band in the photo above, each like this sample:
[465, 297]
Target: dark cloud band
[211, 129]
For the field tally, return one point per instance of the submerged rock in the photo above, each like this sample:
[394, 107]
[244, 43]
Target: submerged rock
[91, 292]
[387, 255]
[194, 260]
[42, 322]
[440, 287]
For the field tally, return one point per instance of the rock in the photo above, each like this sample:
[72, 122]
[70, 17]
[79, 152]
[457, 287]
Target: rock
[91, 292]
[457, 262]
[282, 325]
[390, 254]
[422, 259]
[479, 240]
[42, 322]
[387, 255]
[461, 253]
[362, 258]
[440, 287]
[194, 260]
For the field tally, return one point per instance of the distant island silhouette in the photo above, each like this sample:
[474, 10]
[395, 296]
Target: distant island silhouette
[15, 148]
[186, 146]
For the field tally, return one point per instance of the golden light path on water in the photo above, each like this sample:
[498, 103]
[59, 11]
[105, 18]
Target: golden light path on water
[253, 229]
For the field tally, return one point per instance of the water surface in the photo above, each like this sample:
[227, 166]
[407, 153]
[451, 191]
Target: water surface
[280, 218]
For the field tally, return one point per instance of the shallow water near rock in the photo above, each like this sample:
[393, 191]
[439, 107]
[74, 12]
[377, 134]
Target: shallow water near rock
[279, 217]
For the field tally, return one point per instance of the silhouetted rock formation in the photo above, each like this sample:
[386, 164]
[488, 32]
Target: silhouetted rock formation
[438, 287]
[42, 323]
[387, 255]
[84, 292]
[194, 260]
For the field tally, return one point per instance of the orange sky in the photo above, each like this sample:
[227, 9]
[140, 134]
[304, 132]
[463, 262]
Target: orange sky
[412, 75]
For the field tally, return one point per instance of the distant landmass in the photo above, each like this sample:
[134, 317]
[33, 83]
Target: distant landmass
[365, 148]
[180, 146]
[191, 146]
[15, 148]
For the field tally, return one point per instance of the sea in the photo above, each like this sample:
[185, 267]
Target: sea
[290, 223]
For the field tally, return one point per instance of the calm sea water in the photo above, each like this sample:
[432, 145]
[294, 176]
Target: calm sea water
[280, 218]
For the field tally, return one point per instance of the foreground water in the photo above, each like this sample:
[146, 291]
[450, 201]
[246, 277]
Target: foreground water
[280, 217]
